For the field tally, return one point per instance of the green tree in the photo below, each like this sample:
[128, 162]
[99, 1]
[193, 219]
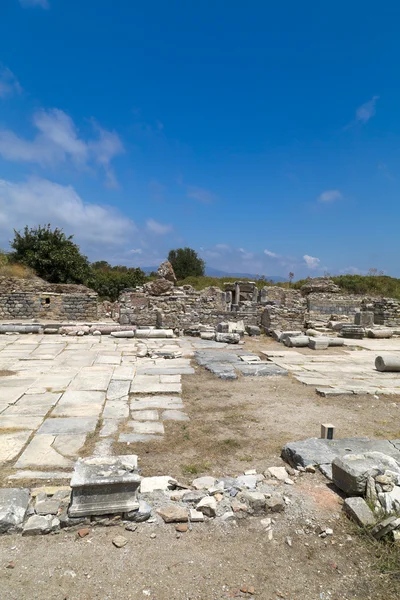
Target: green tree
[109, 283]
[52, 255]
[186, 263]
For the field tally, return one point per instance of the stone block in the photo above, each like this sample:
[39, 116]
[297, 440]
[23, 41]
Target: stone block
[318, 343]
[157, 483]
[297, 341]
[364, 318]
[208, 506]
[359, 511]
[104, 485]
[227, 338]
[350, 472]
[387, 363]
[13, 506]
[253, 330]
[40, 525]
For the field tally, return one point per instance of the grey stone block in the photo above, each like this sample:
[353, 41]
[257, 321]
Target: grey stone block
[221, 370]
[260, 370]
[350, 472]
[104, 485]
[317, 451]
[318, 343]
[13, 506]
[227, 338]
[40, 525]
[141, 514]
[387, 363]
[359, 511]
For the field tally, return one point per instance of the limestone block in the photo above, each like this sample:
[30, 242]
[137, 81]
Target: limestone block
[359, 511]
[13, 506]
[227, 338]
[318, 343]
[350, 472]
[104, 485]
[298, 341]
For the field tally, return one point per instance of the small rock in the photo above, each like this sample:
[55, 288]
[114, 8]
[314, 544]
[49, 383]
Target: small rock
[193, 496]
[289, 541]
[310, 469]
[131, 526]
[229, 515]
[47, 507]
[182, 527]
[208, 506]
[173, 514]
[153, 536]
[196, 516]
[279, 473]
[40, 525]
[119, 541]
[275, 503]
[140, 515]
[256, 500]
[83, 532]
[266, 522]
[289, 481]
[11, 565]
[203, 483]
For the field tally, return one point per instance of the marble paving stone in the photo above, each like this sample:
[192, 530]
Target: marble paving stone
[49, 398]
[82, 397]
[174, 415]
[104, 359]
[155, 388]
[132, 438]
[145, 415]
[77, 410]
[19, 422]
[170, 378]
[123, 373]
[11, 444]
[110, 427]
[37, 410]
[57, 382]
[118, 389]
[116, 409]
[39, 453]
[92, 379]
[147, 427]
[165, 370]
[12, 394]
[68, 425]
[69, 445]
[152, 402]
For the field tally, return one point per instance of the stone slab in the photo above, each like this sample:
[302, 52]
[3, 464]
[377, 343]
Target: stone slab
[116, 409]
[110, 427]
[39, 453]
[45, 475]
[359, 511]
[147, 427]
[68, 425]
[18, 422]
[145, 415]
[11, 444]
[133, 438]
[13, 506]
[222, 370]
[316, 451]
[174, 415]
[260, 370]
[350, 472]
[138, 387]
[118, 389]
[152, 402]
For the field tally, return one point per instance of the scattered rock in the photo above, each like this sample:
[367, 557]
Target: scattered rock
[47, 507]
[83, 532]
[182, 527]
[279, 473]
[173, 514]
[275, 503]
[131, 526]
[196, 516]
[203, 483]
[143, 513]
[208, 506]
[40, 525]
[13, 506]
[359, 511]
[119, 541]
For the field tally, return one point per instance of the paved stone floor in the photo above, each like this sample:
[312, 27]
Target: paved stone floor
[350, 372]
[64, 389]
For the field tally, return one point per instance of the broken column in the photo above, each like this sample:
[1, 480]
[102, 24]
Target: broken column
[387, 363]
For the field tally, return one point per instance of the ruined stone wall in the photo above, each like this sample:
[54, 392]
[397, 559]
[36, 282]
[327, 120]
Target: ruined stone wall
[386, 312]
[37, 299]
[284, 309]
[320, 306]
[181, 309]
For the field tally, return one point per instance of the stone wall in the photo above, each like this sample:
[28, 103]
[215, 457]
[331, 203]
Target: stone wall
[182, 309]
[284, 309]
[321, 306]
[37, 299]
[386, 312]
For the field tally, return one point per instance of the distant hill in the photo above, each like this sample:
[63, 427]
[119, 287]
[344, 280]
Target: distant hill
[216, 273]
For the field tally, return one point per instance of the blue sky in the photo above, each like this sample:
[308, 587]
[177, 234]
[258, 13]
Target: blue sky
[264, 135]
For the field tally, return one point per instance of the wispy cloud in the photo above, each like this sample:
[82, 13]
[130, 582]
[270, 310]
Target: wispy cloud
[271, 254]
[329, 196]
[311, 261]
[135, 251]
[383, 168]
[367, 110]
[158, 228]
[9, 84]
[200, 194]
[58, 140]
[41, 3]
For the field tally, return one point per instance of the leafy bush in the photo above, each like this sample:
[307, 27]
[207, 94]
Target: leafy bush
[186, 263]
[109, 281]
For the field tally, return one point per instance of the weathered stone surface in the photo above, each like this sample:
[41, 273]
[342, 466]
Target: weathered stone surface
[316, 451]
[208, 506]
[152, 484]
[147, 427]
[13, 506]
[166, 271]
[227, 338]
[222, 371]
[104, 485]
[260, 370]
[40, 525]
[359, 511]
[119, 541]
[297, 341]
[275, 503]
[174, 415]
[196, 516]
[387, 363]
[255, 500]
[173, 513]
[158, 287]
[318, 343]
[279, 473]
[47, 507]
[40, 452]
[350, 472]
[143, 513]
[385, 527]
[247, 481]
[203, 483]
[11, 444]
[68, 425]
[193, 496]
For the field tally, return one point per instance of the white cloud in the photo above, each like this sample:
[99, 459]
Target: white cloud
[135, 251]
[329, 196]
[222, 246]
[199, 194]
[311, 261]
[41, 3]
[58, 140]
[366, 110]
[37, 201]
[246, 255]
[271, 254]
[158, 228]
[9, 84]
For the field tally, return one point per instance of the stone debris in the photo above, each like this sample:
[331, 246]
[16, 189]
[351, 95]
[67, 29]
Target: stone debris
[359, 511]
[173, 514]
[208, 506]
[350, 472]
[40, 525]
[119, 541]
[13, 506]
